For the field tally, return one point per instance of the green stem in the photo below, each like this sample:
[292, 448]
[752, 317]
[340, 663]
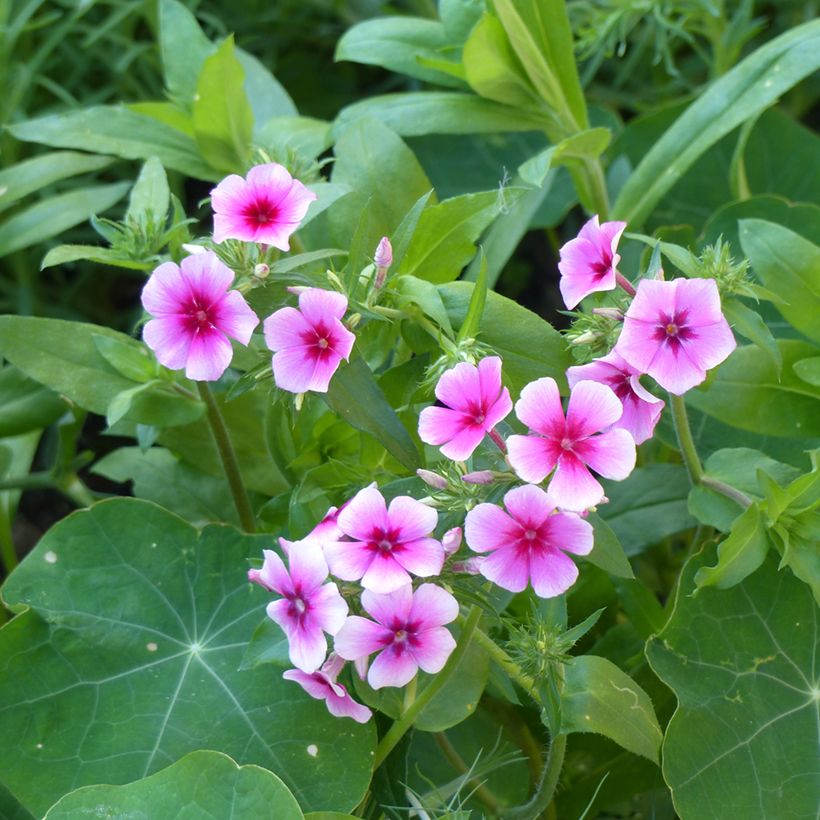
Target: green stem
[7, 552]
[596, 181]
[408, 718]
[228, 457]
[505, 662]
[546, 788]
[721, 487]
[685, 440]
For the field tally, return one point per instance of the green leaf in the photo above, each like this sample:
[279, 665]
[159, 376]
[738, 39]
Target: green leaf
[399, 44]
[266, 95]
[130, 360]
[750, 324]
[746, 393]
[56, 214]
[607, 552]
[789, 265]
[63, 254]
[439, 112]
[599, 697]
[150, 196]
[478, 300]
[32, 175]
[110, 129]
[183, 48]
[138, 619]
[203, 784]
[741, 663]
[10, 808]
[749, 88]
[24, 404]
[808, 370]
[304, 135]
[529, 346]
[222, 115]
[355, 397]
[426, 295]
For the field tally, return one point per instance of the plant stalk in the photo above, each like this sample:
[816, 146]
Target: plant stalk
[546, 788]
[505, 662]
[228, 457]
[685, 440]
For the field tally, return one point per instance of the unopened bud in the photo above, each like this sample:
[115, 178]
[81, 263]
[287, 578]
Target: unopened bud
[353, 320]
[609, 313]
[432, 479]
[193, 249]
[384, 253]
[296, 289]
[261, 271]
[451, 540]
[334, 280]
[472, 566]
[479, 477]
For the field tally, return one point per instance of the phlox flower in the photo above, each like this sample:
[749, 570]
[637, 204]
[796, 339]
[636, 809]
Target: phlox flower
[569, 445]
[309, 606]
[475, 402]
[642, 410]
[389, 543]
[408, 633]
[194, 313]
[675, 331]
[322, 685]
[527, 542]
[266, 207]
[588, 262]
[309, 342]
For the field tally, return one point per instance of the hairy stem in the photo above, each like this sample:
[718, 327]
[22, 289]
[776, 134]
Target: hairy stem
[539, 802]
[228, 457]
[505, 662]
[721, 487]
[625, 283]
[685, 440]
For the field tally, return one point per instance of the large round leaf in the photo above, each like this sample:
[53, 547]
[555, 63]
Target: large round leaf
[202, 786]
[742, 662]
[129, 659]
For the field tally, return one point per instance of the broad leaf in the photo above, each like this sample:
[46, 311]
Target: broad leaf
[184, 48]
[607, 552]
[24, 404]
[138, 619]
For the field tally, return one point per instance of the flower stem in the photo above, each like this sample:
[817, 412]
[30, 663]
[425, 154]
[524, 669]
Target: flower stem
[8, 554]
[408, 718]
[539, 802]
[685, 440]
[228, 458]
[625, 283]
[721, 487]
[497, 440]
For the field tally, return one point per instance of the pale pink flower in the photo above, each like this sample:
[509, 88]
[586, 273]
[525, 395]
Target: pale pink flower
[266, 207]
[675, 331]
[525, 543]
[322, 685]
[588, 262]
[194, 314]
[309, 606]
[408, 634]
[569, 444]
[475, 402]
[389, 542]
[309, 343]
[642, 410]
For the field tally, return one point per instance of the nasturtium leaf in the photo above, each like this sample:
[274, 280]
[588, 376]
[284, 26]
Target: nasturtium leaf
[24, 404]
[743, 741]
[10, 808]
[128, 659]
[600, 697]
[204, 784]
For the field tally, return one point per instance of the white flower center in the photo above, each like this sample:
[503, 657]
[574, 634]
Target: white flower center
[323, 343]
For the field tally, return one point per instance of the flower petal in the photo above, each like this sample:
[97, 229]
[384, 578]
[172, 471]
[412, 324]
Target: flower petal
[710, 344]
[423, 557]
[611, 454]
[329, 609]
[344, 706]
[573, 487]
[674, 370]
[234, 317]
[363, 514]
[320, 306]
[459, 387]
[273, 574]
[507, 567]
[432, 606]
[170, 340]
[440, 424]
[411, 518]
[385, 574]
[532, 457]
[208, 277]
[392, 667]
[539, 407]
[463, 444]
[360, 637]
[570, 533]
[209, 355]
[592, 407]
[308, 568]
[391, 610]
[348, 560]
[166, 291]
[432, 648]
[699, 300]
[487, 527]
[489, 380]
[285, 328]
[552, 573]
[529, 505]
[294, 369]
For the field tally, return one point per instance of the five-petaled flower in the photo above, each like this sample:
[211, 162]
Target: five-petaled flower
[389, 543]
[322, 685]
[266, 207]
[408, 633]
[642, 410]
[525, 543]
[475, 402]
[310, 342]
[194, 313]
[569, 444]
[588, 262]
[675, 331]
[309, 606]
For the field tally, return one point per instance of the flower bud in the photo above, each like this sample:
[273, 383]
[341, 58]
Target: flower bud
[609, 313]
[451, 540]
[296, 289]
[261, 271]
[193, 249]
[472, 566]
[384, 253]
[479, 477]
[432, 479]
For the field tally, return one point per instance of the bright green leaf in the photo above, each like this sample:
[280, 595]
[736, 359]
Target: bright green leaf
[607, 552]
[150, 196]
[184, 48]
[750, 324]
[808, 370]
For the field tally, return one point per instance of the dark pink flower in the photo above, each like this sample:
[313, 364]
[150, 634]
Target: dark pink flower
[322, 685]
[309, 343]
[675, 331]
[266, 207]
[194, 314]
[588, 262]
[388, 543]
[309, 606]
[408, 633]
[475, 402]
[568, 445]
[527, 543]
[641, 409]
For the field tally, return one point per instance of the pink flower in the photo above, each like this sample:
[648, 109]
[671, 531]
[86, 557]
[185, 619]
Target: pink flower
[568, 444]
[588, 262]
[675, 332]
[194, 314]
[309, 607]
[526, 542]
[451, 540]
[409, 633]
[389, 543]
[309, 343]
[322, 686]
[267, 207]
[475, 402]
[641, 409]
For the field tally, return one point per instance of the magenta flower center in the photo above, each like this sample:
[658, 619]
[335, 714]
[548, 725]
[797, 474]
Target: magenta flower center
[567, 443]
[673, 330]
[261, 213]
[601, 267]
[530, 535]
[322, 343]
[384, 541]
[298, 608]
[385, 546]
[197, 317]
[400, 636]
